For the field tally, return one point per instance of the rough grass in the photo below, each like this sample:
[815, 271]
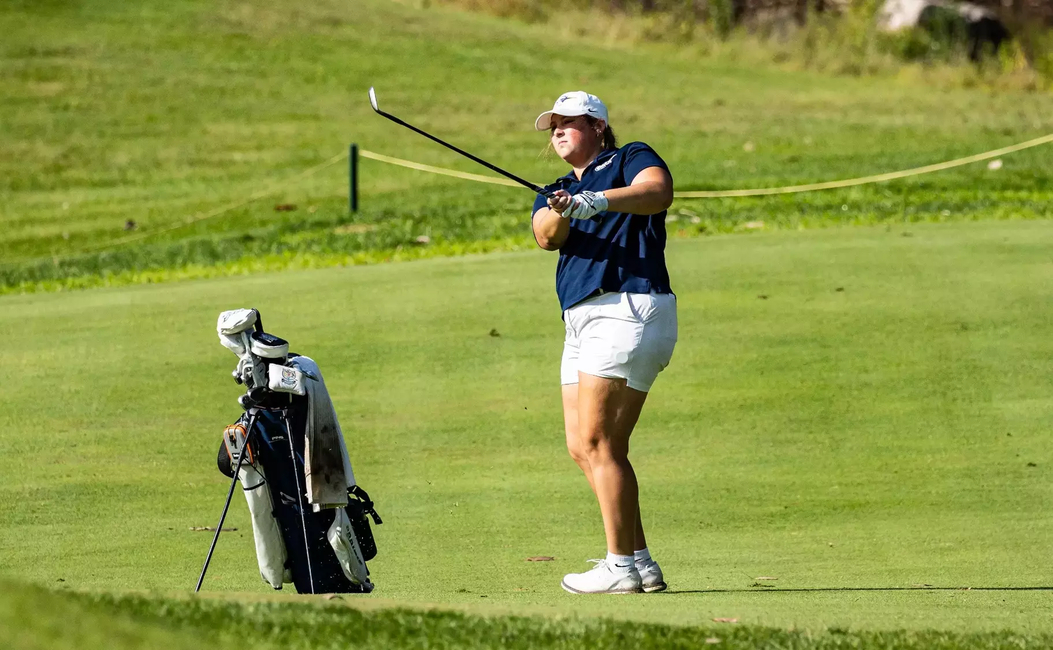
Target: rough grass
[157, 113]
[846, 42]
[34, 618]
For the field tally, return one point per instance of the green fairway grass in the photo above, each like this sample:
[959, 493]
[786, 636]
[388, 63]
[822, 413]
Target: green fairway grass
[853, 433]
[160, 113]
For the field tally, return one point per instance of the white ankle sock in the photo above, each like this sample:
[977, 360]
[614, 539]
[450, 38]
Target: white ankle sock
[642, 556]
[619, 563]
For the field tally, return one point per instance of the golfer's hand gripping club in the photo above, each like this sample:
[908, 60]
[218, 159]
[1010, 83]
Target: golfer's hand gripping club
[584, 205]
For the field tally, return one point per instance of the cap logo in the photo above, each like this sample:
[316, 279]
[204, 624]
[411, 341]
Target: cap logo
[563, 98]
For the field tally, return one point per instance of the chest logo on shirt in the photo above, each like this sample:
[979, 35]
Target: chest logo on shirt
[607, 164]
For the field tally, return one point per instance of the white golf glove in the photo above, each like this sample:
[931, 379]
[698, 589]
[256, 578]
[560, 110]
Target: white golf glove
[586, 205]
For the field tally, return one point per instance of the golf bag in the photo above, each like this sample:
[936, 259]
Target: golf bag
[310, 519]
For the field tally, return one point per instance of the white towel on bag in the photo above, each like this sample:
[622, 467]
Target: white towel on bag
[327, 466]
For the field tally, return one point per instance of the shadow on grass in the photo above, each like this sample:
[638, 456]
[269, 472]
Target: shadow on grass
[766, 589]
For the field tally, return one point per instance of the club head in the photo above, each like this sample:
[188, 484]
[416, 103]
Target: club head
[373, 99]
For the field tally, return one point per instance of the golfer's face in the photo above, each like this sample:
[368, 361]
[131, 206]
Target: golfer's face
[571, 136]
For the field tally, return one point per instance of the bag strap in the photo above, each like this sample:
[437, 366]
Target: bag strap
[367, 503]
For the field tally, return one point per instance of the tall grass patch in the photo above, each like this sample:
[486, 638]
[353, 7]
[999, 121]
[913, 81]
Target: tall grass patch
[843, 39]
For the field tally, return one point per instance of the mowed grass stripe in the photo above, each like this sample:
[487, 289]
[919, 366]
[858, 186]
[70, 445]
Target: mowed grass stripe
[853, 412]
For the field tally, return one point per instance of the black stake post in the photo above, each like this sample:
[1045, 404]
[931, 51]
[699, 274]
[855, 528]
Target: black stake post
[352, 196]
[226, 506]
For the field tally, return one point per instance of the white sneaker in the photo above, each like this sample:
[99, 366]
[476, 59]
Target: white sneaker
[601, 580]
[651, 576]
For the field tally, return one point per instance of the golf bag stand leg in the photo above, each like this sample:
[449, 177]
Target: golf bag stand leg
[230, 494]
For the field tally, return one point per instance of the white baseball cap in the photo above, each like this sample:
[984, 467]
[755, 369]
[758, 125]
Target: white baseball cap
[572, 104]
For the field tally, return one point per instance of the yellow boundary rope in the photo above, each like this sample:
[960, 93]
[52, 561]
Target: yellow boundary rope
[700, 194]
[437, 170]
[714, 194]
[866, 180]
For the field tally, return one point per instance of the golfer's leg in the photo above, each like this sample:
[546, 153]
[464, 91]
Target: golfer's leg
[607, 412]
[577, 451]
[570, 423]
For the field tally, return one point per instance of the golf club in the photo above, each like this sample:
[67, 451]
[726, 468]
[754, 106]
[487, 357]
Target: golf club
[524, 183]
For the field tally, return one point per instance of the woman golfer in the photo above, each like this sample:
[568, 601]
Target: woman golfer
[607, 220]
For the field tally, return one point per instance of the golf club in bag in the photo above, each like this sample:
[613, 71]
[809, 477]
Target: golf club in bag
[310, 520]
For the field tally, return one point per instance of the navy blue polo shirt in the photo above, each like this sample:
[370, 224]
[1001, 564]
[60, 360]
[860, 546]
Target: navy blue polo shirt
[613, 251]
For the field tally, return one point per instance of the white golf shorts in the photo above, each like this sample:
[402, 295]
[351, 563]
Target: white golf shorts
[627, 336]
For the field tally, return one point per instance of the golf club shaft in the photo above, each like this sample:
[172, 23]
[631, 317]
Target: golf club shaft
[299, 496]
[226, 506]
[524, 183]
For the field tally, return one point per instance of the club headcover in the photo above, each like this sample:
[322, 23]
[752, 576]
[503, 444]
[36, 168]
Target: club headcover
[231, 327]
[268, 346]
[236, 321]
[233, 343]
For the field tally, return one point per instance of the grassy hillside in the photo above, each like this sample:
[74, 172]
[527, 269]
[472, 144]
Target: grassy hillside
[159, 113]
[853, 433]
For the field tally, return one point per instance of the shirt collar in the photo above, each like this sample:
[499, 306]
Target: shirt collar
[604, 156]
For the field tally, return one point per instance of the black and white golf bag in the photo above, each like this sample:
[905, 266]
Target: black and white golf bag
[309, 517]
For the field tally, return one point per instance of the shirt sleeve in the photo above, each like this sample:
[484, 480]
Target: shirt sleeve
[539, 202]
[637, 157]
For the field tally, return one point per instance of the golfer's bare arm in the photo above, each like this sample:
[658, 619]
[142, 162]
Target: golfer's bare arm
[650, 192]
[550, 230]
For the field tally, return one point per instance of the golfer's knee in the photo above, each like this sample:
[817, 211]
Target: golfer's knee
[577, 453]
[598, 449]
